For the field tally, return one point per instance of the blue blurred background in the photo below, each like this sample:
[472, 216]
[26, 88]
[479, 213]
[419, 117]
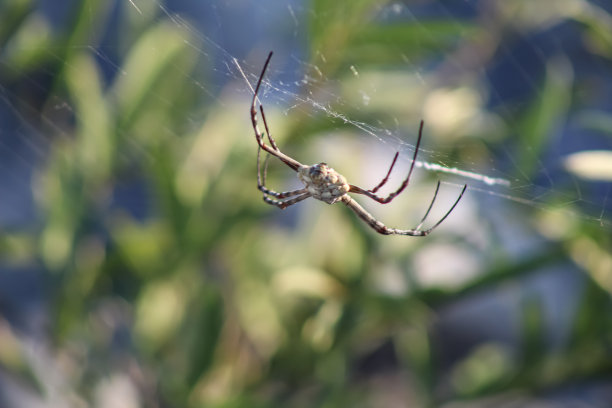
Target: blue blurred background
[140, 267]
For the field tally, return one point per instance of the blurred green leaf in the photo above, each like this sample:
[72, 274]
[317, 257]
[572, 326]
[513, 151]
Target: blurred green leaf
[146, 247]
[599, 27]
[14, 357]
[96, 148]
[546, 113]
[485, 368]
[29, 47]
[203, 324]
[334, 24]
[399, 43]
[87, 24]
[533, 332]
[156, 52]
[159, 313]
[12, 15]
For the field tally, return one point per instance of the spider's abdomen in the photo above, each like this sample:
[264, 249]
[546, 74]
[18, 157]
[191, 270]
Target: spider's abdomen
[323, 182]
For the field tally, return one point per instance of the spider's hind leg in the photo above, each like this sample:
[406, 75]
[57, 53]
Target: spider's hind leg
[430, 206]
[447, 213]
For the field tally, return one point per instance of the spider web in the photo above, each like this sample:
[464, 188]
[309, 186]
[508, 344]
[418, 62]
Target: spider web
[231, 40]
[547, 187]
[504, 108]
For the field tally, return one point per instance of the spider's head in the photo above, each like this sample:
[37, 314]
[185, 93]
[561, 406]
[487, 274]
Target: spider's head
[318, 171]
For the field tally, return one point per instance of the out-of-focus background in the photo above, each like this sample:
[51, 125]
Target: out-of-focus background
[140, 267]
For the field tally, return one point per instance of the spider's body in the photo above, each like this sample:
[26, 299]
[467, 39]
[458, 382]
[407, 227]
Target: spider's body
[325, 184]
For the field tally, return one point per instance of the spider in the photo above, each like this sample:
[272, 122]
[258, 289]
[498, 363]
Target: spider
[325, 184]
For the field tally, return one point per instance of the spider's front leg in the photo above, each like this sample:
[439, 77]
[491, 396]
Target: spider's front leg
[259, 137]
[391, 196]
[301, 194]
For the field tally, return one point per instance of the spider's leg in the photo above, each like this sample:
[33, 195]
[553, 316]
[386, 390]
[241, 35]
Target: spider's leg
[383, 229]
[273, 150]
[261, 76]
[430, 205]
[261, 181]
[377, 225]
[382, 183]
[385, 200]
[286, 203]
[427, 231]
[270, 138]
[284, 194]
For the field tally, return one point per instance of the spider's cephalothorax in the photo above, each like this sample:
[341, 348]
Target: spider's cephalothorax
[325, 184]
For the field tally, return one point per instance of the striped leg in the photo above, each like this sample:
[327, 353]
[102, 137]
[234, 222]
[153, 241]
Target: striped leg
[383, 229]
[261, 181]
[282, 204]
[377, 225]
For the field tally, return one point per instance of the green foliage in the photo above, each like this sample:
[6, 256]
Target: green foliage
[223, 305]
